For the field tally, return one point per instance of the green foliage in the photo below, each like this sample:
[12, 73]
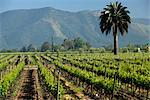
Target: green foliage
[4, 62]
[89, 77]
[31, 48]
[135, 70]
[23, 49]
[114, 18]
[45, 46]
[49, 80]
[78, 43]
[8, 79]
[68, 44]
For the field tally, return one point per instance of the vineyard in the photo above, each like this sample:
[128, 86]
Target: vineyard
[75, 76]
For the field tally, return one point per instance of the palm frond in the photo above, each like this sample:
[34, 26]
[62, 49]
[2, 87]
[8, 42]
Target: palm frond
[114, 17]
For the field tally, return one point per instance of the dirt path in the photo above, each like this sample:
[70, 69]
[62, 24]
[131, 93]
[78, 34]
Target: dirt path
[30, 87]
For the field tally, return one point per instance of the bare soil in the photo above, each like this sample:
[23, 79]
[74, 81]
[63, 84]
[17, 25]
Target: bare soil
[30, 88]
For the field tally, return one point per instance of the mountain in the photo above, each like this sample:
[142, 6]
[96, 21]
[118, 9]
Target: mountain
[22, 27]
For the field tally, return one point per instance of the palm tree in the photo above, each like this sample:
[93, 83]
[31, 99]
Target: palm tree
[114, 17]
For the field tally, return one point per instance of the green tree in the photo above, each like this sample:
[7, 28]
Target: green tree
[88, 45]
[114, 17]
[31, 48]
[68, 44]
[130, 47]
[78, 43]
[45, 46]
[57, 48]
[23, 49]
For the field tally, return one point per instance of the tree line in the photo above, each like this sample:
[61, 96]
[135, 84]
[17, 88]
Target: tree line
[68, 44]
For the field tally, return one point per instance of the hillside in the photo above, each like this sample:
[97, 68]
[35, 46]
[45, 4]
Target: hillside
[23, 27]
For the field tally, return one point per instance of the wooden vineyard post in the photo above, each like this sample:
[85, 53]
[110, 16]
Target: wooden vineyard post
[132, 87]
[58, 83]
[57, 53]
[147, 96]
[54, 75]
[113, 85]
[114, 82]
[105, 72]
[93, 76]
[1, 74]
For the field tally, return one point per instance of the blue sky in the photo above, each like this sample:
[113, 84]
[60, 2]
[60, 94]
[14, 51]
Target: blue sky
[138, 8]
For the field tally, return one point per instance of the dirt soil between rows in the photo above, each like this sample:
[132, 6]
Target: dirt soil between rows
[30, 88]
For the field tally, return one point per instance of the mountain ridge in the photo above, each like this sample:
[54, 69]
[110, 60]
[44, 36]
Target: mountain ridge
[38, 25]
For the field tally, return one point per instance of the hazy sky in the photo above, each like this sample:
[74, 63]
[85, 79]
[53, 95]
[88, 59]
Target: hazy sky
[138, 8]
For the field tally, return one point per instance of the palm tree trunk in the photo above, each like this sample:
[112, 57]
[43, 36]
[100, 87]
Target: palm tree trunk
[115, 44]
